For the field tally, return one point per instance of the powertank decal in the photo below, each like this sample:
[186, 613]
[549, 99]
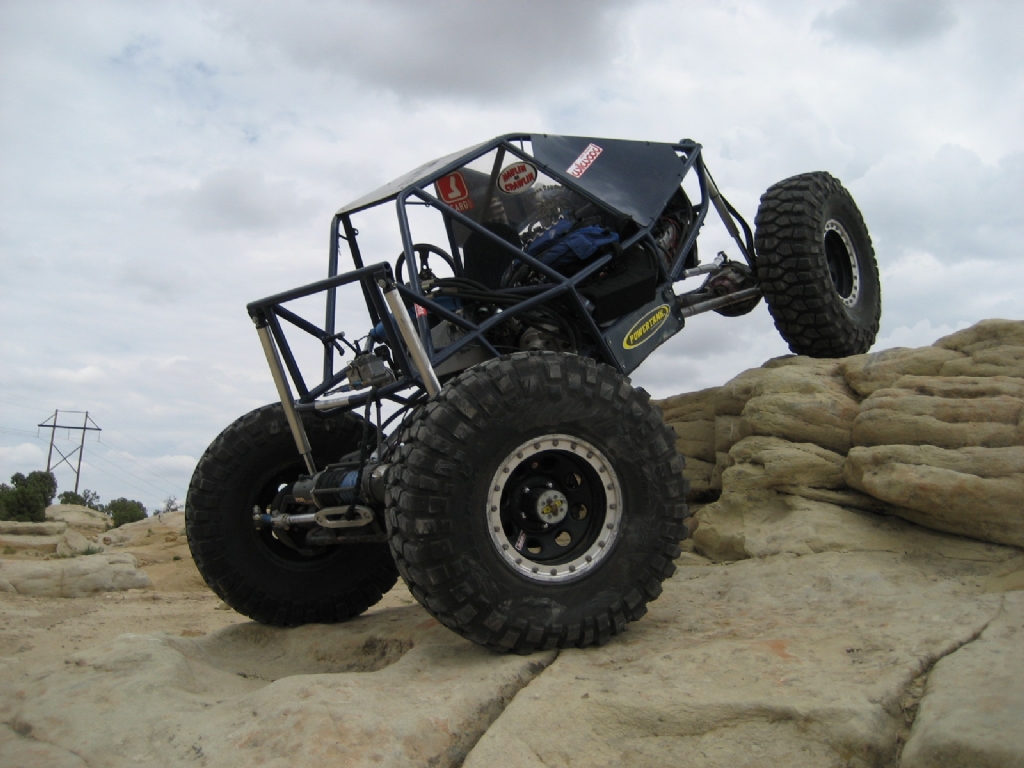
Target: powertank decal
[644, 328]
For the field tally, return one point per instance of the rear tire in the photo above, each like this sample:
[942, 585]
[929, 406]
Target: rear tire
[537, 502]
[816, 267]
[252, 570]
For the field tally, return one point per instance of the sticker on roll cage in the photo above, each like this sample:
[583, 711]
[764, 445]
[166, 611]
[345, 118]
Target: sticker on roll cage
[453, 190]
[585, 160]
[517, 177]
[644, 328]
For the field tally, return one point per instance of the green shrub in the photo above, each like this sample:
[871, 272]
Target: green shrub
[70, 497]
[27, 498]
[125, 510]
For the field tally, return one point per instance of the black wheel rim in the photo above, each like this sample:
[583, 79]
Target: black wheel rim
[270, 539]
[554, 508]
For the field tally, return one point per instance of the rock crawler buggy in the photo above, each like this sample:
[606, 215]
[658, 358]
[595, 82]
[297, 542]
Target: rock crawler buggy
[481, 437]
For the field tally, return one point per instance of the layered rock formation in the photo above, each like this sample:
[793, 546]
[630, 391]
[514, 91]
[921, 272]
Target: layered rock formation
[933, 435]
[851, 598]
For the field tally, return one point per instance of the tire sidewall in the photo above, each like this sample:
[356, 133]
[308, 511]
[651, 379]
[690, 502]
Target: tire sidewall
[441, 540]
[255, 453]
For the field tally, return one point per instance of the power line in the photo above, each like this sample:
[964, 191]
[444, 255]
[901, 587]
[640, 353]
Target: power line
[162, 486]
[138, 462]
[152, 485]
[86, 421]
[120, 480]
[20, 432]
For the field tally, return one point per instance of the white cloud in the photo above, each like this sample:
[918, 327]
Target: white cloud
[479, 50]
[164, 163]
[887, 24]
[23, 457]
[240, 199]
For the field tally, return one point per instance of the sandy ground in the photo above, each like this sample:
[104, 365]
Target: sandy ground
[36, 632]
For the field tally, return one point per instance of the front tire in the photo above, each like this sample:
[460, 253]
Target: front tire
[537, 502]
[816, 267]
[252, 570]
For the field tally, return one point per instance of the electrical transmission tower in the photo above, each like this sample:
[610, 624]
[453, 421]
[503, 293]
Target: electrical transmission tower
[86, 421]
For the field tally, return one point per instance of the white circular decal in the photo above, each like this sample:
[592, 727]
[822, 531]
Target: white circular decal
[517, 177]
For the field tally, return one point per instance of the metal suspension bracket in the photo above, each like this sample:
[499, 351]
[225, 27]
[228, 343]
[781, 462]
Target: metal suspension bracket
[284, 392]
[410, 336]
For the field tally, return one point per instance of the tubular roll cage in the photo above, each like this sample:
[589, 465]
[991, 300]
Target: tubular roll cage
[388, 300]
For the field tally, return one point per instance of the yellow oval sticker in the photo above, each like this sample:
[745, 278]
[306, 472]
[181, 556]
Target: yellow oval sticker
[645, 327]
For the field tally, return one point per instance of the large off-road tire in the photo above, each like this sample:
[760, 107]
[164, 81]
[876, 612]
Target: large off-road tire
[251, 569]
[816, 267]
[518, 442]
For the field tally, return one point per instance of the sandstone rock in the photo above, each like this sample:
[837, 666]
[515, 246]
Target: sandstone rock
[73, 543]
[695, 439]
[930, 412]
[977, 492]
[74, 577]
[973, 706]
[727, 432]
[690, 406]
[993, 348]
[768, 462]
[699, 473]
[805, 403]
[83, 519]
[692, 416]
[764, 523]
[879, 370]
[390, 689]
[965, 387]
[1004, 361]
[984, 335]
[23, 544]
[15, 528]
[732, 396]
[19, 750]
[760, 663]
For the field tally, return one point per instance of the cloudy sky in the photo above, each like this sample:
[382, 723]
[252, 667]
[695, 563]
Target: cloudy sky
[163, 163]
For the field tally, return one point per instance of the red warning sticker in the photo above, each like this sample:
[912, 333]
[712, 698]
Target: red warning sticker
[584, 161]
[420, 311]
[452, 190]
[517, 177]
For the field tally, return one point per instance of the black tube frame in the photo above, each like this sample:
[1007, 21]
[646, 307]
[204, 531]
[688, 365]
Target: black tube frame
[376, 278]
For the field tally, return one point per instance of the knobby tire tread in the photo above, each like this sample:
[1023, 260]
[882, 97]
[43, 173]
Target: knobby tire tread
[438, 444]
[793, 273]
[341, 592]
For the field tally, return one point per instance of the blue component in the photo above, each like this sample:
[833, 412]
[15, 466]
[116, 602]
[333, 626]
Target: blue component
[377, 334]
[562, 246]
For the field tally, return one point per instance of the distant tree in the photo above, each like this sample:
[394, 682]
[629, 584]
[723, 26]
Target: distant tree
[171, 504]
[27, 498]
[125, 511]
[87, 498]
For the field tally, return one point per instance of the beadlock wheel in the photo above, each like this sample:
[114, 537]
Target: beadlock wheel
[536, 502]
[843, 265]
[554, 507]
